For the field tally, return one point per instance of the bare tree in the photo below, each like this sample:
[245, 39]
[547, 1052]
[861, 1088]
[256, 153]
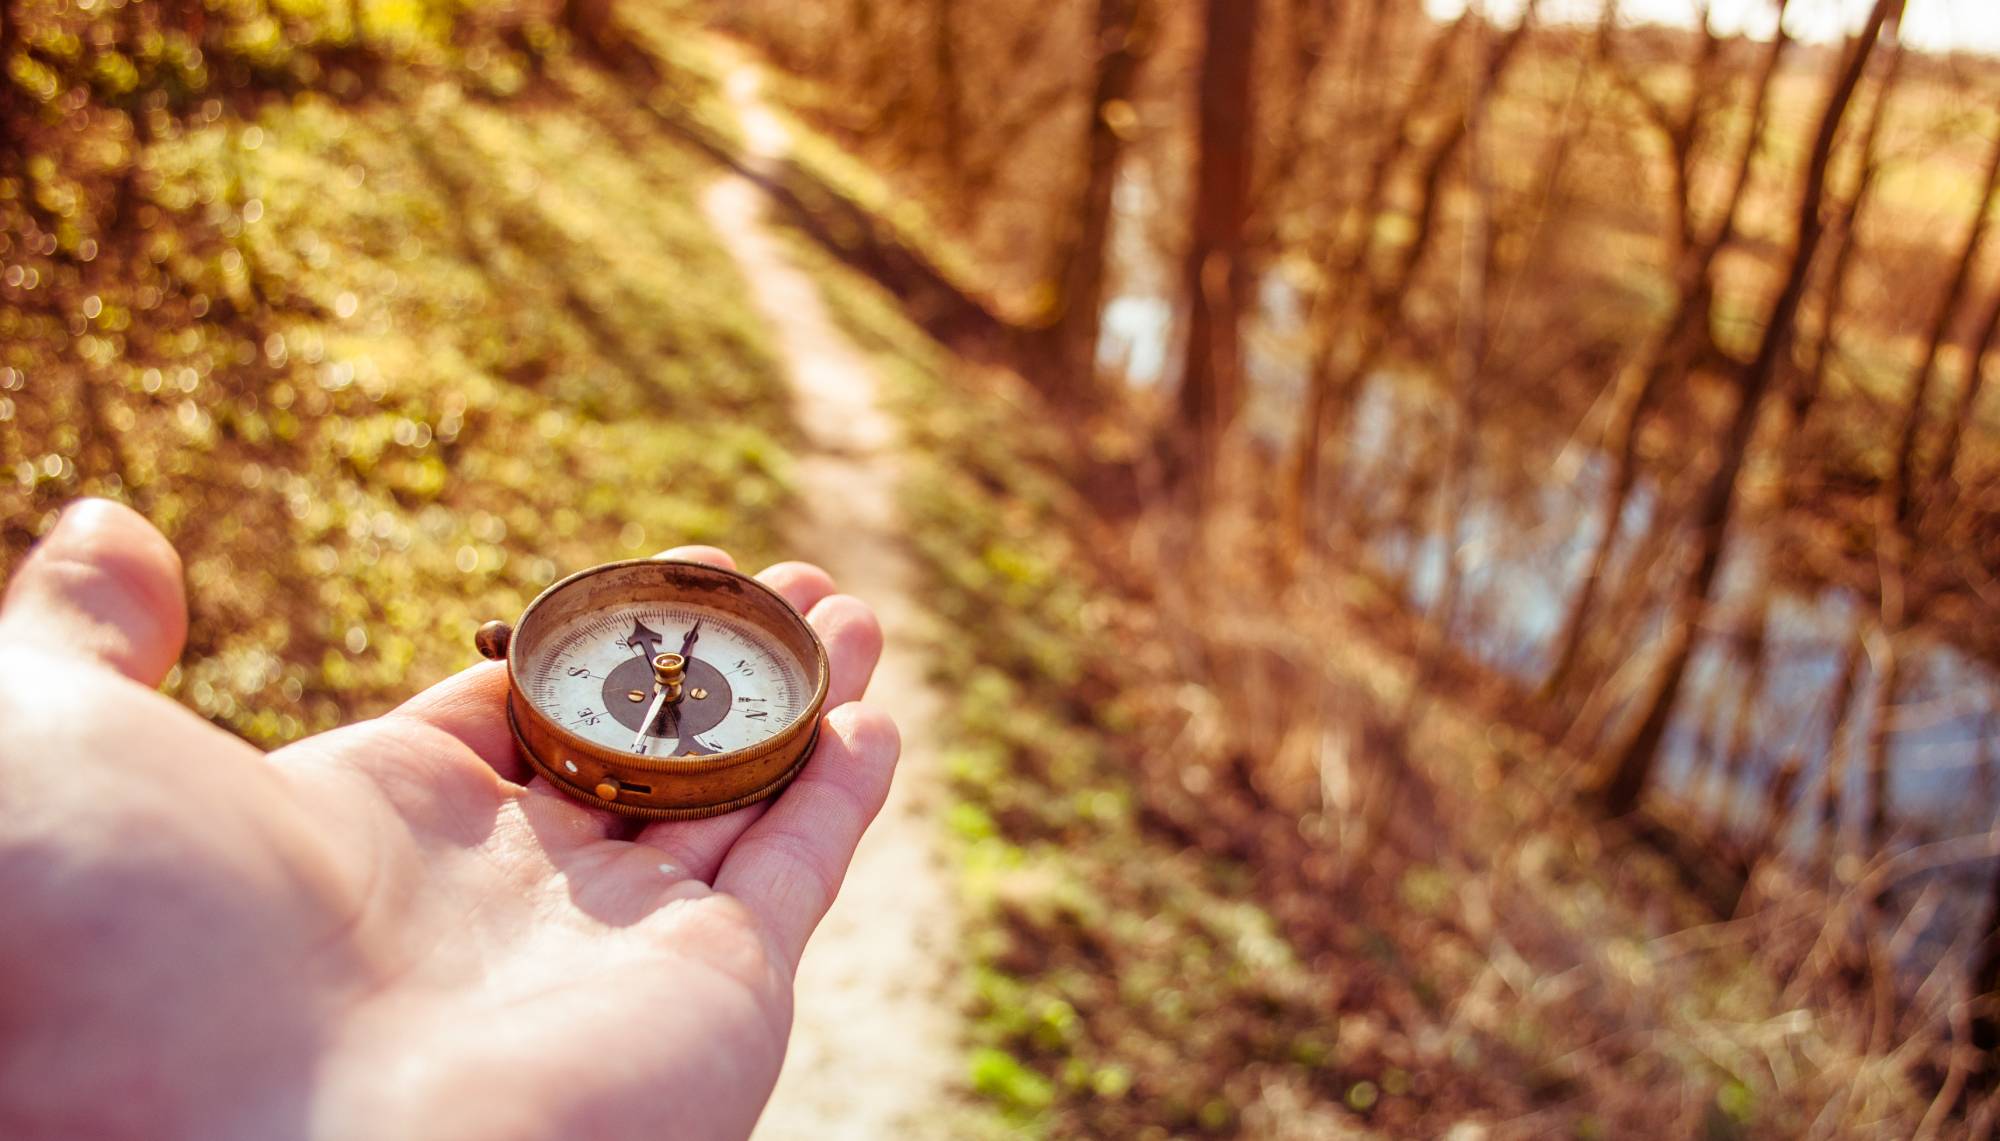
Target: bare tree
[1309, 31]
[1833, 777]
[1120, 44]
[1753, 649]
[1944, 468]
[1623, 770]
[1468, 356]
[1897, 510]
[1847, 240]
[1673, 345]
[1904, 485]
[1380, 300]
[1325, 380]
[1681, 128]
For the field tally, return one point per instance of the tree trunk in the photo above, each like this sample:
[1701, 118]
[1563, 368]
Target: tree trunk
[1387, 298]
[1621, 441]
[1665, 354]
[1299, 491]
[950, 118]
[1780, 800]
[1330, 386]
[1080, 313]
[1897, 530]
[1813, 377]
[1309, 29]
[592, 22]
[1753, 651]
[1833, 779]
[1882, 734]
[1944, 468]
[1216, 276]
[1905, 475]
[1985, 987]
[1624, 770]
[1467, 362]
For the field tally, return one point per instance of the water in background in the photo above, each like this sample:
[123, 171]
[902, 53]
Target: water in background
[1522, 545]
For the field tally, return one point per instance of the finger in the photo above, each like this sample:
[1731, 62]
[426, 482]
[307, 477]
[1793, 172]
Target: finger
[696, 847]
[788, 866]
[103, 585]
[471, 705]
[853, 640]
[713, 556]
[802, 584]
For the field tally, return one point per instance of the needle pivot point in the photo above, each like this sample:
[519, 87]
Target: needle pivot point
[670, 671]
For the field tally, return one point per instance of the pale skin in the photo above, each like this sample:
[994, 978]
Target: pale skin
[387, 930]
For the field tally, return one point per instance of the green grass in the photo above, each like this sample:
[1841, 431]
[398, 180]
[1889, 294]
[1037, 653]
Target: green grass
[383, 367]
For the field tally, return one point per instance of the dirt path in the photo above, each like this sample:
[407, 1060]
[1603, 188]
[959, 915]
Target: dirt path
[874, 1049]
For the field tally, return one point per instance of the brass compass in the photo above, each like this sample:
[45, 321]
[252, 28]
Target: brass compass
[662, 688]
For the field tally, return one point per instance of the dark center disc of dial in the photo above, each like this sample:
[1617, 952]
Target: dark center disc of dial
[697, 714]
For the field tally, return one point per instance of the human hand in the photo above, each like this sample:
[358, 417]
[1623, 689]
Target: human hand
[387, 930]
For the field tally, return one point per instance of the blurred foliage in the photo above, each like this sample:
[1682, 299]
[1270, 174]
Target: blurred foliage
[1118, 987]
[387, 314]
[1161, 942]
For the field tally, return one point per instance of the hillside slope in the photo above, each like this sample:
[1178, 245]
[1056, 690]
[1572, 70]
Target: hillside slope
[452, 326]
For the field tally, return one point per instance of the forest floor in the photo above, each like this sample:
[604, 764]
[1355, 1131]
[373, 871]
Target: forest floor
[875, 1044]
[1396, 926]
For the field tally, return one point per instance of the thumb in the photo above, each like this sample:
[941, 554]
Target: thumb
[103, 585]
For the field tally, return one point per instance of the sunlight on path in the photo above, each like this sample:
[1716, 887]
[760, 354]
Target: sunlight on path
[875, 1046]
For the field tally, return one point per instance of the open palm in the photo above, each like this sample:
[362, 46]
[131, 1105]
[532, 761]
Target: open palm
[387, 930]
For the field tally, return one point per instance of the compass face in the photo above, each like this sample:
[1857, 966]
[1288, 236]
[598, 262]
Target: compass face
[594, 677]
[662, 688]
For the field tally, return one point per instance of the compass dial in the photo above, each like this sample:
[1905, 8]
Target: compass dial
[662, 688]
[595, 678]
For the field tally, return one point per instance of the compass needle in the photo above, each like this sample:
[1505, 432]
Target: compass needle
[639, 743]
[644, 639]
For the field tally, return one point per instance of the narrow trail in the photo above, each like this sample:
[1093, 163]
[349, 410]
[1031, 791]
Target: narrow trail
[874, 1048]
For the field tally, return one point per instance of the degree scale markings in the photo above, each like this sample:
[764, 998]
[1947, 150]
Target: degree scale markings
[567, 672]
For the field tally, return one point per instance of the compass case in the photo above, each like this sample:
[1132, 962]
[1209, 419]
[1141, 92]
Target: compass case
[665, 788]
